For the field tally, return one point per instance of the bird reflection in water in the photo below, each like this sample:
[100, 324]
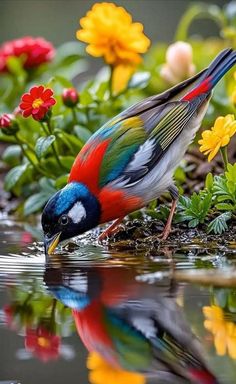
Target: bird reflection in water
[133, 330]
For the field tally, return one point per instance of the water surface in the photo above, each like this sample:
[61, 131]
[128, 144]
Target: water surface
[97, 316]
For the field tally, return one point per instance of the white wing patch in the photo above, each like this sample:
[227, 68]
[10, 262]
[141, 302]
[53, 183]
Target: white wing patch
[145, 325]
[142, 156]
[77, 212]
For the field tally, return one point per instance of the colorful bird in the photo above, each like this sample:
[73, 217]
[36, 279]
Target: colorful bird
[131, 159]
[133, 325]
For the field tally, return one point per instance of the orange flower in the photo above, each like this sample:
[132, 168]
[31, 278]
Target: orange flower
[110, 33]
[102, 372]
[224, 332]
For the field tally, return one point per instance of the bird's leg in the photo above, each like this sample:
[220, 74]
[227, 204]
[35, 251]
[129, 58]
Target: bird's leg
[113, 228]
[175, 195]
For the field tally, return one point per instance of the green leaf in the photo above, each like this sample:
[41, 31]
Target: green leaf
[14, 176]
[184, 202]
[82, 133]
[231, 172]
[85, 97]
[11, 155]
[61, 80]
[15, 66]
[209, 181]
[47, 185]
[219, 224]
[101, 91]
[67, 161]
[61, 181]
[72, 141]
[225, 207]
[193, 223]
[43, 144]
[35, 202]
[139, 80]
[180, 175]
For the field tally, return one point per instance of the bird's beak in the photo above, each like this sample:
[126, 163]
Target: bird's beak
[50, 243]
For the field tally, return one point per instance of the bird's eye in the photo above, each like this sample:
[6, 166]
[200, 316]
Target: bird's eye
[46, 228]
[64, 220]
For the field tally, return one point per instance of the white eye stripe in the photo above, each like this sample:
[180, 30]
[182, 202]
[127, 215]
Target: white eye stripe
[77, 212]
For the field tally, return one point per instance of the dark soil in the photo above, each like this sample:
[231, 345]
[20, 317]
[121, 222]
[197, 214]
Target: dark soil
[147, 234]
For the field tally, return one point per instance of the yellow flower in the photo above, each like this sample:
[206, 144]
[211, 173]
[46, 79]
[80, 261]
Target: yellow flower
[102, 372]
[219, 136]
[224, 332]
[110, 33]
[121, 75]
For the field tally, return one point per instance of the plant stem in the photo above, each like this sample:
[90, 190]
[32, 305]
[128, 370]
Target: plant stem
[49, 131]
[35, 166]
[21, 144]
[110, 81]
[224, 154]
[75, 121]
[23, 141]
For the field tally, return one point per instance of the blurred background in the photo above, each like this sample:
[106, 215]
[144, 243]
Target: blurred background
[58, 20]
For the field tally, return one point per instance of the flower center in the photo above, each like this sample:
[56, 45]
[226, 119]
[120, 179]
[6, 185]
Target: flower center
[37, 103]
[42, 342]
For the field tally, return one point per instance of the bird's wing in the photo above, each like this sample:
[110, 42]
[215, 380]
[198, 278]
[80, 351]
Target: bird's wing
[133, 349]
[173, 345]
[109, 151]
[126, 148]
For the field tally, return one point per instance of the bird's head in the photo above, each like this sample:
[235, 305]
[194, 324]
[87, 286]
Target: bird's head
[71, 211]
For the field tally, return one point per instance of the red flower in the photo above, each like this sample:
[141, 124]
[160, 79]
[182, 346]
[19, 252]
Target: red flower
[6, 120]
[37, 102]
[43, 344]
[34, 51]
[70, 97]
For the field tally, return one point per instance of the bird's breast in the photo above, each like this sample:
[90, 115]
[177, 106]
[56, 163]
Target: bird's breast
[117, 203]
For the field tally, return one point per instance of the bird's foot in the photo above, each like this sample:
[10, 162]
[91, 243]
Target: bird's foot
[164, 235]
[111, 230]
[167, 228]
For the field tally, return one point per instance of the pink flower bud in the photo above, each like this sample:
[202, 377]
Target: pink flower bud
[8, 124]
[6, 120]
[70, 97]
[179, 63]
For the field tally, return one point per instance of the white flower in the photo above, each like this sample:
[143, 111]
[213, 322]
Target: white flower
[179, 63]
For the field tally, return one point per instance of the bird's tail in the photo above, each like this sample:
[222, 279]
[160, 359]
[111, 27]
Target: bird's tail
[202, 376]
[217, 69]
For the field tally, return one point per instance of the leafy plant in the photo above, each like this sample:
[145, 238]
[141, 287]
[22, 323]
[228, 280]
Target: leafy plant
[194, 210]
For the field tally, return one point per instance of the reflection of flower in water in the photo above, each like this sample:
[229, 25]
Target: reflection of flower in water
[224, 331]
[8, 311]
[26, 238]
[42, 343]
[102, 372]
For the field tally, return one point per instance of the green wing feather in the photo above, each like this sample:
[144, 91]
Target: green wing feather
[147, 135]
[134, 351]
[124, 142]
